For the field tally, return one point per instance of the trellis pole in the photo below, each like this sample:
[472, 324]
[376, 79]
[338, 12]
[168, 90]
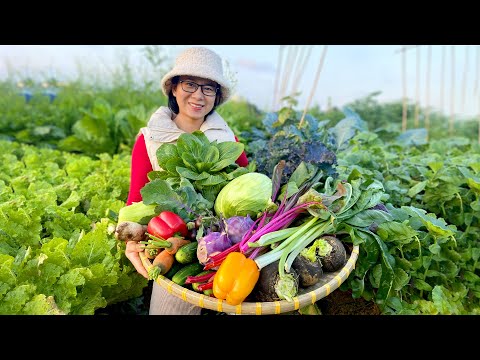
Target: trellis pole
[442, 81]
[277, 76]
[427, 91]
[301, 69]
[477, 71]
[417, 89]
[295, 68]
[293, 50]
[404, 89]
[452, 95]
[403, 50]
[465, 71]
[317, 76]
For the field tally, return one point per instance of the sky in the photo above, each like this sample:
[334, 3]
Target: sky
[446, 80]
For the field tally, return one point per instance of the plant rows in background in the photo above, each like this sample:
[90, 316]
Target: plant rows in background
[57, 208]
[58, 254]
[426, 260]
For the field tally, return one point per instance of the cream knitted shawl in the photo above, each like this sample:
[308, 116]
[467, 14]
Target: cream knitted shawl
[161, 129]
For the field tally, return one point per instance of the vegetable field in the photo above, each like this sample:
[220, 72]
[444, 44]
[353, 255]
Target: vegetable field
[413, 203]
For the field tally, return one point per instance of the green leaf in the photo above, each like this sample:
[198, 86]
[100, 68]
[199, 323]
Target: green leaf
[14, 301]
[422, 285]
[211, 154]
[94, 247]
[65, 291]
[189, 161]
[437, 227]
[401, 279]
[7, 276]
[204, 167]
[165, 153]
[157, 191]
[435, 249]
[184, 202]
[470, 276]
[95, 133]
[212, 180]
[475, 205]
[435, 166]
[367, 217]
[229, 152]
[172, 164]
[42, 305]
[370, 258]
[192, 175]
[474, 184]
[387, 271]
[400, 233]
[192, 143]
[357, 285]
[72, 202]
[403, 263]
[445, 302]
[417, 189]
[236, 173]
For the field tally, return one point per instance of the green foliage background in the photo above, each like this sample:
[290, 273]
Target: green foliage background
[64, 175]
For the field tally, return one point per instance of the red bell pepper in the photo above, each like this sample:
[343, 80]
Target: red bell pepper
[167, 224]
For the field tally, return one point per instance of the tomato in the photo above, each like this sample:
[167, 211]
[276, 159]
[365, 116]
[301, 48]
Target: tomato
[167, 224]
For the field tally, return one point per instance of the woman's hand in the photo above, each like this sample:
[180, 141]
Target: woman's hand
[132, 253]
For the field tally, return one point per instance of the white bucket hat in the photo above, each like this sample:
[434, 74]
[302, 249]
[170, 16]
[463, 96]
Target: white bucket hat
[199, 62]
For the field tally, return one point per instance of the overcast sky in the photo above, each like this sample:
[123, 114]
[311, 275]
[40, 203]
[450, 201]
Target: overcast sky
[349, 72]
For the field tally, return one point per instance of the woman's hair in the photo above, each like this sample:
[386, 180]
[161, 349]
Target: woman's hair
[172, 100]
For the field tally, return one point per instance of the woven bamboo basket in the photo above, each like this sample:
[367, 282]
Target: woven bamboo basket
[329, 282]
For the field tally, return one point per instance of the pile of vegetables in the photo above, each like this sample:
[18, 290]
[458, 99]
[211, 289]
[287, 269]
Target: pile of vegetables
[269, 235]
[259, 239]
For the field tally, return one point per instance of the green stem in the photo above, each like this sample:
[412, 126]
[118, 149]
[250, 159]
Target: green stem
[273, 237]
[273, 255]
[159, 242]
[313, 234]
[310, 228]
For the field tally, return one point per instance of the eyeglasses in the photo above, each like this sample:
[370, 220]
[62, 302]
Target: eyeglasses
[191, 87]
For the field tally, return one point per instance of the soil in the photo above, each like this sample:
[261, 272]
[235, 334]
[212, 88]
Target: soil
[342, 303]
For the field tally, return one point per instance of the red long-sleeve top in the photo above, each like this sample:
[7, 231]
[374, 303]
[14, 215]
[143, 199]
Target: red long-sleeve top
[141, 166]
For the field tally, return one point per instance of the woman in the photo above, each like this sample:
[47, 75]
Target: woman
[195, 87]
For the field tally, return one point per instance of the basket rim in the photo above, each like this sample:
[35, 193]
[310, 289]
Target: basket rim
[330, 282]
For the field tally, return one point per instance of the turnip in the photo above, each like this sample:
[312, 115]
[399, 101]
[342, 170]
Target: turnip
[309, 272]
[130, 231]
[270, 287]
[337, 256]
[237, 226]
[211, 244]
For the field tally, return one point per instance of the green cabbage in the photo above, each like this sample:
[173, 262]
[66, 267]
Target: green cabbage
[248, 194]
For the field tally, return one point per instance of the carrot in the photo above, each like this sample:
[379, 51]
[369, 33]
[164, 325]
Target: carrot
[177, 242]
[151, 251]
[161, 264]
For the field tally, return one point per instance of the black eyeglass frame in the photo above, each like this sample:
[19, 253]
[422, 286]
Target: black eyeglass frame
[197, 86]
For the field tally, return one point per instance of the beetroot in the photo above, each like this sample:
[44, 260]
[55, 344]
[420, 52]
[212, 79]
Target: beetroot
[211, 244]
[237, 226]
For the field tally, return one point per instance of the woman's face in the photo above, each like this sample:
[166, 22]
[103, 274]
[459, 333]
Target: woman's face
[196, 105]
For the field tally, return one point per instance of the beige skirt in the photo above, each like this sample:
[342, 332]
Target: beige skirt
[163, 303]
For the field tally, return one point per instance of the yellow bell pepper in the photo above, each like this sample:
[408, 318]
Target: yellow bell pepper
[235, 278]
